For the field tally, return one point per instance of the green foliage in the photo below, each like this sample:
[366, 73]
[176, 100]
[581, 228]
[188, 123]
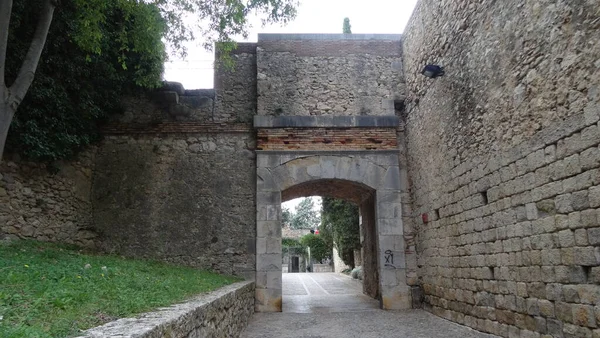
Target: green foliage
[96, 52]
[340, 222]
[305, 216]
[319, 249]
[218, 20]
[292, 246]
[49, 290]
[290, 242]
[347, 28]
[286, 217]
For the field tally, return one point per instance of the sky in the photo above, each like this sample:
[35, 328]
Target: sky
[314, 16]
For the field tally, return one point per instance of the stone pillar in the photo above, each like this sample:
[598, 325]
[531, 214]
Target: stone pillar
[395, 293]
[268, 245]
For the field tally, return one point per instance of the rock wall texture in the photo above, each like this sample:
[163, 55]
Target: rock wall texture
[236, 87]
[185, 198]
[221, 313]
[504, 163]
[328, 76]
[47, 203]
[233, 100]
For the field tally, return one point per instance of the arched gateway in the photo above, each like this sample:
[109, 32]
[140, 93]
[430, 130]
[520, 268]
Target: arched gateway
[369, 177]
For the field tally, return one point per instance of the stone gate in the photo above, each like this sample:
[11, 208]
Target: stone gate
[502, 151]
[370, 178]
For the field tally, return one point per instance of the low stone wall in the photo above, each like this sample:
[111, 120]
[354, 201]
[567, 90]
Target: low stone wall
[322, 268]
[222, 313]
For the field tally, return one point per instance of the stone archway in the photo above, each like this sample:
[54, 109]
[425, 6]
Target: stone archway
[376, 176]
[364, 197]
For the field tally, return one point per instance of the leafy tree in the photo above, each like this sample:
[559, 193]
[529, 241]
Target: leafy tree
[305, 216]
[340, 220]
[347, 28]
[74, 88]
[292, 246]
[286, 217]
[319, 250]
[217, 20]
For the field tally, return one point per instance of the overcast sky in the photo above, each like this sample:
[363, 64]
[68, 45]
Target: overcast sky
[314, 16]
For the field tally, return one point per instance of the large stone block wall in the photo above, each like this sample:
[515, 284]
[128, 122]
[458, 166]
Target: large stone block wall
[328, 75]
[47, 202]
[221, 313]
[185, 198]
[504, 164]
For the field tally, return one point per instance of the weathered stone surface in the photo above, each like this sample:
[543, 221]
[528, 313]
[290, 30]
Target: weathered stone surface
[358, 177]
[221, 313]
[155, 197]
[512, 129]
[48, 202]
[309, 76]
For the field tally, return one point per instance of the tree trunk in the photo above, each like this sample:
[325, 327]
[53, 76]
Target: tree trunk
[11, 97]
[6, 115]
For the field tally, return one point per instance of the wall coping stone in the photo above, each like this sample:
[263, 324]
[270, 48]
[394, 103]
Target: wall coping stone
[264, 121]
[278, 37]
[165, 319]
[327, 152]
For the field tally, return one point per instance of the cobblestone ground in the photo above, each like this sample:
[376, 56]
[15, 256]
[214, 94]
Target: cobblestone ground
[328, 305]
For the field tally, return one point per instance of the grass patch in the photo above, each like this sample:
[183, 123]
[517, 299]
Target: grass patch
[50, 290]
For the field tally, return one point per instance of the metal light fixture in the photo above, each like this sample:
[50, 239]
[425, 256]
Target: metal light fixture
[433, 71]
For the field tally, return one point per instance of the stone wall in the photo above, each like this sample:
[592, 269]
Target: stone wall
[330, 74]
[236, 87]
[186, 198]
[338, 263]
[221, 313]
[233, 99]
[289, 232]
[504, 162]
[47, 202]
[326, 139]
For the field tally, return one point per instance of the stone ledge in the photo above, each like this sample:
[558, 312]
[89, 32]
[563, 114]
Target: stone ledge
[178, 127]
[224, 312]
[278, 37]
[263, 121]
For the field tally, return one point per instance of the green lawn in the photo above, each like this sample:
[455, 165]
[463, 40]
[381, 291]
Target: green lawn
[49, 290]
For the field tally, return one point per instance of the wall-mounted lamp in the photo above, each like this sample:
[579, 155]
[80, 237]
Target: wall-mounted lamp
[433, 71]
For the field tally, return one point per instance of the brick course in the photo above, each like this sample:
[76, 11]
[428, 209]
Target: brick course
[327, 139]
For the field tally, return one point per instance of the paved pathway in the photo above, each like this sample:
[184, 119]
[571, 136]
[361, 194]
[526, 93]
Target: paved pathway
[324, 293]
[329, 305]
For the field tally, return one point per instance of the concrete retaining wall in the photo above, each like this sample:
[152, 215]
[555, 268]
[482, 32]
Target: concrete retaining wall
[222, 313]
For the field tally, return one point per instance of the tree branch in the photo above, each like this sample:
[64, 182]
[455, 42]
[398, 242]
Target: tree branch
[26, 73]
[5, 12]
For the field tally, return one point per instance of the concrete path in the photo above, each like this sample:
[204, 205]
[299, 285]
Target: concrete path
[324, 293]
[329, 305]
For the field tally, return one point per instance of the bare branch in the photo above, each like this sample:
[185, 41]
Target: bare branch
[5, 12]
[27, 71]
